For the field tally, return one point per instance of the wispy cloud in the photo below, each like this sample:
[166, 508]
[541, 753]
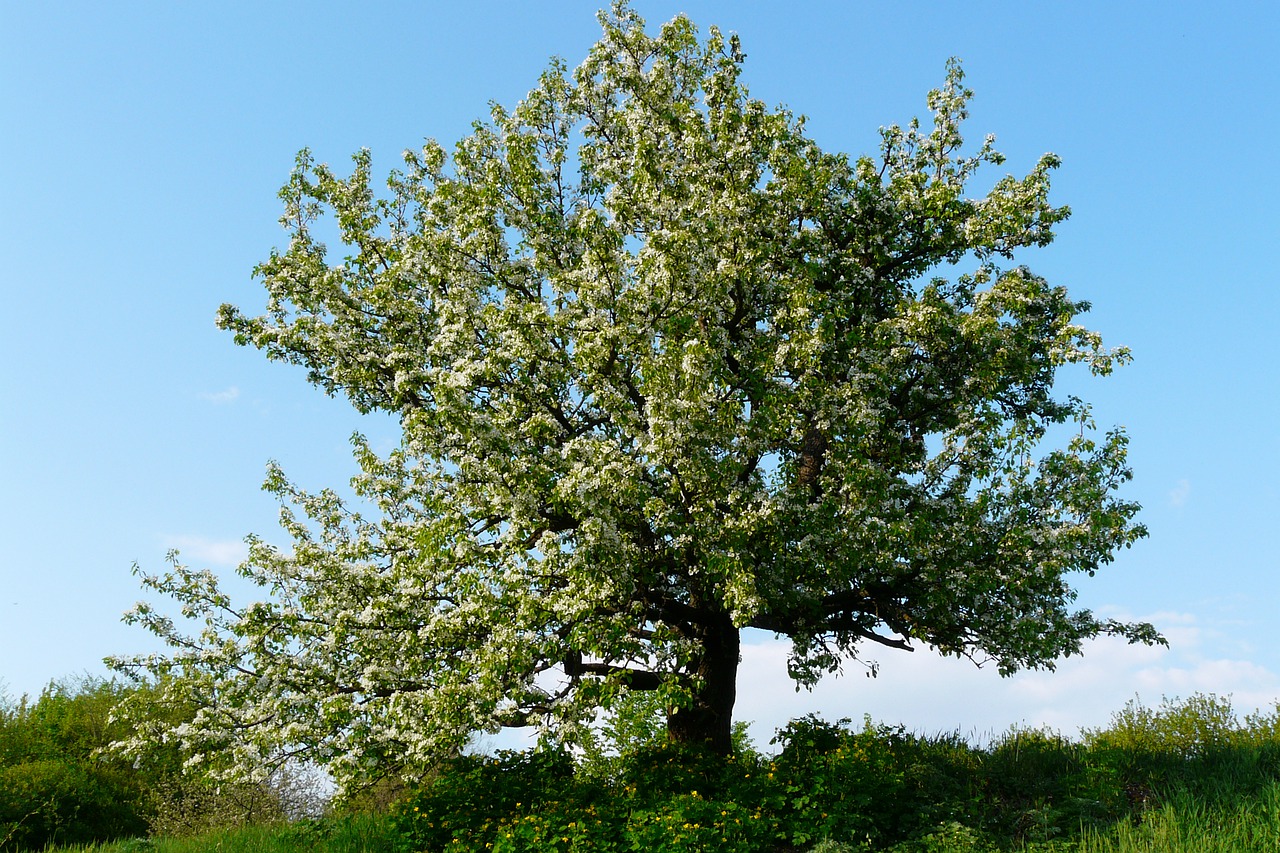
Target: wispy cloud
[1180, 493]
[230, 395]
[201, 549]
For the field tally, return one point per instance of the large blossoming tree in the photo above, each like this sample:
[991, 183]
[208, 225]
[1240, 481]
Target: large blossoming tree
[665, 370]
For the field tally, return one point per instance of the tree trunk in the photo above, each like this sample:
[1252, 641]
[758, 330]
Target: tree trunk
[710, 719]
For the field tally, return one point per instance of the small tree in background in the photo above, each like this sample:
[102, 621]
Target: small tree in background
[665, 370]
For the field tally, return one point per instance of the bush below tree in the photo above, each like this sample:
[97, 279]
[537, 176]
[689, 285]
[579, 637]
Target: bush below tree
[1183, 776]
[834, 787]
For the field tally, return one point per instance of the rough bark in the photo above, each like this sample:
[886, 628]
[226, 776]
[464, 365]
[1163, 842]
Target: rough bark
[709, 720]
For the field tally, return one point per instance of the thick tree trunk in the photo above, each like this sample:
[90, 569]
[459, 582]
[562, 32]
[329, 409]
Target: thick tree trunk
[710, 719]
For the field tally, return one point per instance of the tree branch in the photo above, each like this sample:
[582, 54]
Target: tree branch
[636, 679]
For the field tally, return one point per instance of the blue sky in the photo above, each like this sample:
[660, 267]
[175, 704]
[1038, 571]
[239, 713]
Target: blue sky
[142, 144]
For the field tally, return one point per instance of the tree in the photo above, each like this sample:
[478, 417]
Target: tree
[665, 370]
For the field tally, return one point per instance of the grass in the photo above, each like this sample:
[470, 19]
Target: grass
[1187, 825]
[349, 834]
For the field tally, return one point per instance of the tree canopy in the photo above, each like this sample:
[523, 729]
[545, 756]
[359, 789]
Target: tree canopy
[665, 370]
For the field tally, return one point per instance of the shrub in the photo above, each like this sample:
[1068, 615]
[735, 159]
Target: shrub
[60, 783]
[1040, 785]
[471, 793]
[1195, 727]
[833, 788]
[659, 798]
[1198, 746]
[54, 785]
[184, 806]
[58, 801]
[877, 786]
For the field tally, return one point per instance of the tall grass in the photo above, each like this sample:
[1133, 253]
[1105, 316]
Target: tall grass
[1187, 825]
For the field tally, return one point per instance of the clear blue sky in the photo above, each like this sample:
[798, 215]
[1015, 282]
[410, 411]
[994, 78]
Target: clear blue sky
[143, 144]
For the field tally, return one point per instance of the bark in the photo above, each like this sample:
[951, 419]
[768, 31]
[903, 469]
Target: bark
[710, 719]
[813, 453]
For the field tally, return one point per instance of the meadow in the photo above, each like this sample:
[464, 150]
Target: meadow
[1188, 775]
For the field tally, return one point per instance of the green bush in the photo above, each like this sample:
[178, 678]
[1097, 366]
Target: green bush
[1039, 785]
[69, 720]
[876, 786]
[832, 788]
[65, 802]
[470, 793]
[661, 798]
[55, 787]
[840, 784]
[60, 784]
[1197, 746]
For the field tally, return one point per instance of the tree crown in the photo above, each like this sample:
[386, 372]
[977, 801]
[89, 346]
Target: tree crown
[665, 370]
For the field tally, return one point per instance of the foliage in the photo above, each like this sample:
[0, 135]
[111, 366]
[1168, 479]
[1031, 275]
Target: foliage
[875, 784]
[54, 787]
[661, 798]
[42, 802]
[665, 369]
[636, 721]
[1182, 826]
[1198, 746]
[1197, 726]
[822, 793]
[181, 800]
[636, 724]
[185, 805]
[61, 783]
[837, 788]
[827, 782]
[70, 720]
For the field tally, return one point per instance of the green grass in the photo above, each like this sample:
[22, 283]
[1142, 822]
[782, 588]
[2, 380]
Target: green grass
[1187, 825]
[350, 834]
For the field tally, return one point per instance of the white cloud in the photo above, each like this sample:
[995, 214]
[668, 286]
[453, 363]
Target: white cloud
[928, 693]
[200, 549]
[1180, 493]
[230, 395]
